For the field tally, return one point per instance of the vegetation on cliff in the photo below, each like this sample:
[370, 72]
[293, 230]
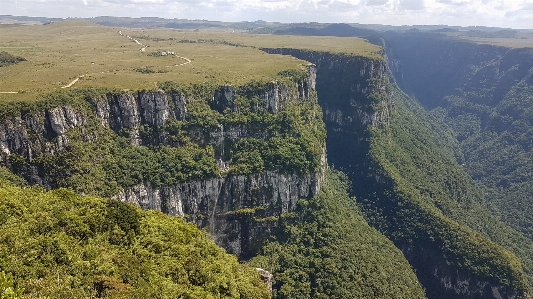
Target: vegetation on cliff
[428, 201]
[496, 143]
[326, 250]
[100, 161]
[63, 245]
[483, 95]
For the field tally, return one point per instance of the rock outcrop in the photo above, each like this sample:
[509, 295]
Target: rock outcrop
[239, 212]
[442, 280]
[266, 277]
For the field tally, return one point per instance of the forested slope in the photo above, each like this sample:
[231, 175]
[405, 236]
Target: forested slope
[434, 206]
[63, 245]
[403, 170]
[484, 94]
[325, 249]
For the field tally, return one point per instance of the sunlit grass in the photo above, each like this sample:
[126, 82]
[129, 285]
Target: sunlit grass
[60, 52]
[514, 43]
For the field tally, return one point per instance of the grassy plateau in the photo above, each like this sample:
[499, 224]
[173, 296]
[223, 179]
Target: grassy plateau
[60, 53]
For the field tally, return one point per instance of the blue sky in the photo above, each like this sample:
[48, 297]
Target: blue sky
[497, 13]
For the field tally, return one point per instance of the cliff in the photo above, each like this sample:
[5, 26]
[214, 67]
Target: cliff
[480, 95]
[191, 137]
[352, 93]
[239, 212]
[406, 186]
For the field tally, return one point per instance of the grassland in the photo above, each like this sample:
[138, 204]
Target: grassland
[526, 41]
[59, 53]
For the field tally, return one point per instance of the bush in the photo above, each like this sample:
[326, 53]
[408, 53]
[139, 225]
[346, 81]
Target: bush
[7, 59]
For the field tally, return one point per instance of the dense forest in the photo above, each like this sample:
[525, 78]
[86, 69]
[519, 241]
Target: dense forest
[58, 244]
[434, 202]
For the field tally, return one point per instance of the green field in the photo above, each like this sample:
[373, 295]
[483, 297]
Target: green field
[59, 53]
[513, 43]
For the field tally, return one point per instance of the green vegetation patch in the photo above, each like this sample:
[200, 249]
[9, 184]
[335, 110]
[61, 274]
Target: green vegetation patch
[63, 245]
[104, 167]
[7, 288]
[8, 59]
[432, 203]
[100, 161]
[327, 250]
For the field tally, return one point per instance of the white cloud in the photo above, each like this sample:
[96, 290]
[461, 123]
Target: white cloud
[411, 4]
[504, 13]
[376, 2]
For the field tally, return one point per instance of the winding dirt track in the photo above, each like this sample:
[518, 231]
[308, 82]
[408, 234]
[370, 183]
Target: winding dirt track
[73, 81]
[187, 60]
[143, 49]
[138, 42]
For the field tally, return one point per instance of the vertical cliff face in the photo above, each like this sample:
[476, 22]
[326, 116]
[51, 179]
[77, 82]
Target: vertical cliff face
[351, 92]
[238, 210]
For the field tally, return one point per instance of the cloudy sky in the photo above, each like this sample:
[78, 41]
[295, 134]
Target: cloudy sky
[498, 13]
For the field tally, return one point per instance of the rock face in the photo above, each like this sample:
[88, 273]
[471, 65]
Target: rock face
[344, 85]
[454, 284]
[239, 211]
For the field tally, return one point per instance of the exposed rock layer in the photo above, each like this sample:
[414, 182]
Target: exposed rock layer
[238, 211]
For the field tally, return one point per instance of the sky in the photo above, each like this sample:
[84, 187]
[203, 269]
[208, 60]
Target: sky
[516, 14]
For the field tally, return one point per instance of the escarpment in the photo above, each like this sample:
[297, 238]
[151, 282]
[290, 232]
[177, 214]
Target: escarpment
[408, 188]
[351, 91]
[219, 156]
